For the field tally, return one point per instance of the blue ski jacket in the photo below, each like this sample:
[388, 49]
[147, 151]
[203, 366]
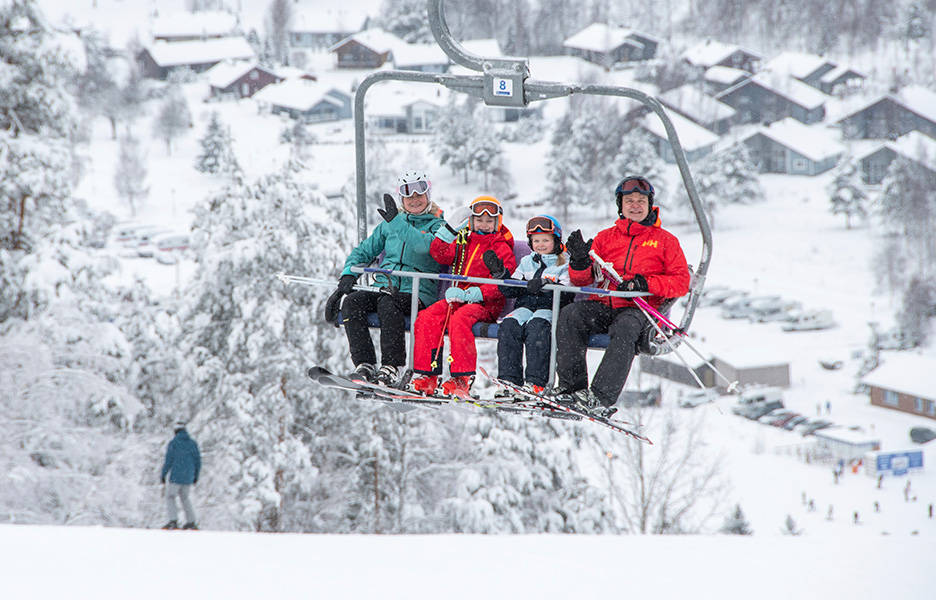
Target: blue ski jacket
[183, 460]
[405, 243]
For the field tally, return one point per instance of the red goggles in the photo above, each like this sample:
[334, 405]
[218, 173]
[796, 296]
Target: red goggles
[410, 189]
[629, 186]
[540, 225]
[491, 209]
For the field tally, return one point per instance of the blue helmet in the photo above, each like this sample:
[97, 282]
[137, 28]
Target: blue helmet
[545, 224]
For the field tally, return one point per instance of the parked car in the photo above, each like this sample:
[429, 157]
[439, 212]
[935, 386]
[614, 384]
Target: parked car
[697, 397]
[797, 420]
[922, 435]
[815, 426]
[811, 320]
[773, 310]
[743, 308]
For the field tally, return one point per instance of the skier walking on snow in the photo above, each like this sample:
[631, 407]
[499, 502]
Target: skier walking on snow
[649, 259]
[462, 242]
[404, 238]
[182, 466]
[529, 325]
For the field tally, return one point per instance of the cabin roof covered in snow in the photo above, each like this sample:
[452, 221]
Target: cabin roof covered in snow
[914, 98]
[185, 24]
[328, 20]
[691, 135]
[913, 145]
[173, 54]
[413, 55]
[711, 52]
[225, 73]
[696, 103]
[601, 37]
[783, 85]
[725, 75]
[375, 38]
[795, 64]
[905, 373]
[815, 143]
[296, 94]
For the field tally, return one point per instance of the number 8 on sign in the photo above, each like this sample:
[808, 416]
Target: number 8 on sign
[503, 87]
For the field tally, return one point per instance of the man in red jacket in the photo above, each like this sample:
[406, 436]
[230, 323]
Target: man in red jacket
[649, 259]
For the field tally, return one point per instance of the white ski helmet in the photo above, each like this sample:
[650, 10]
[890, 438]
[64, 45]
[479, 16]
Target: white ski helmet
[414, 182]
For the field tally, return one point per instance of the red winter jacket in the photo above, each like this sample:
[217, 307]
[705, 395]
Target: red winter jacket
[467, 260]
[639, 249]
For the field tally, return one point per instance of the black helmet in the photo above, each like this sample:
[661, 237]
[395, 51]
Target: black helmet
[631, 184]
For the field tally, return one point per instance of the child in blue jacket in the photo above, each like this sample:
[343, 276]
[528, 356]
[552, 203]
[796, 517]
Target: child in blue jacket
[529, 324]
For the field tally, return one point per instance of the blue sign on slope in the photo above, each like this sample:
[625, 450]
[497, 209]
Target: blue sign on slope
[898, 463]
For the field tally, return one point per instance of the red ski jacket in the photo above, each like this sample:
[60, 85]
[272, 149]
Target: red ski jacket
[466, 259]
[636, 249]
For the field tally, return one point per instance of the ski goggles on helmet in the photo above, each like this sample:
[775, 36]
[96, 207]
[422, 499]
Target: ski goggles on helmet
[416, 187]
[492, 209]
[540, 225]
[634, 184]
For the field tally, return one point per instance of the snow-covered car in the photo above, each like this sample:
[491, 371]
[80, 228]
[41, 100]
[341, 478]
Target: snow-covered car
[811, 320]
[697, 397]
[765, 311]
[744, 307]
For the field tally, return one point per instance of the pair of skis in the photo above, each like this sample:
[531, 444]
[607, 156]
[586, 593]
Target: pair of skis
[536, 404]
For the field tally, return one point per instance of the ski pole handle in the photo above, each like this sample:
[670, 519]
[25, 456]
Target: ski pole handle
[605, 266]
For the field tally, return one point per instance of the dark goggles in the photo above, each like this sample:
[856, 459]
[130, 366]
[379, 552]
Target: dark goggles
[417, 187]
[484, 207]
[540, 225]
[629, 186]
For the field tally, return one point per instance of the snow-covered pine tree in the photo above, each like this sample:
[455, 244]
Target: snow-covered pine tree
[249, 339]
[908, 205]
[847, 192]
[130, 174]
[637, 156]
[485, 149]
[790, 527]
[406, 19]
[565, 170]
[217, 155]
[919, 309]
[736, 523]
[452, 136]
[727, 177]
[173, 118]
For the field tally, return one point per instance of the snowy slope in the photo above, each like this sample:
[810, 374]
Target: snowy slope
[105, 564]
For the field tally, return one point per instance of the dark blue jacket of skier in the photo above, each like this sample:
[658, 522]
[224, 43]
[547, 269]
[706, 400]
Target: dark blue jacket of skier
[183, 460]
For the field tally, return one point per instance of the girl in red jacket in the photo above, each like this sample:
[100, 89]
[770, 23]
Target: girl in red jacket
[461, 243]
[649, 259]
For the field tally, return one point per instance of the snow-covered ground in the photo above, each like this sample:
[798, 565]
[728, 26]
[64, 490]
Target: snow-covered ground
[789, 244]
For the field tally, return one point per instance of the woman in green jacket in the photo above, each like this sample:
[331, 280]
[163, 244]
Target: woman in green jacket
[403, 237]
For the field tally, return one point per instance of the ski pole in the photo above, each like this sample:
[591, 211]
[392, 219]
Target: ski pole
[672, 347]
[441, 345]
[648, 310]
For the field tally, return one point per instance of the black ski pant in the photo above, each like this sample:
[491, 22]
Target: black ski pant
[577, 322]
[390, 309]
[512, 338]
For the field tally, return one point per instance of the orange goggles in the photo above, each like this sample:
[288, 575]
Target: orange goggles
[484, 207]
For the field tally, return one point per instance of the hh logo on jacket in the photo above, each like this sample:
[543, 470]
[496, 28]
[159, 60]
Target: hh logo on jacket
[653, 243]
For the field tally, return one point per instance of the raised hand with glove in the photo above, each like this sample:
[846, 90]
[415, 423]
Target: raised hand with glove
[390, 210]
[495, 265]
[636, 284]
[535, 285]
[578, 251]
[470, 296]
[333, 304]
[453, 223]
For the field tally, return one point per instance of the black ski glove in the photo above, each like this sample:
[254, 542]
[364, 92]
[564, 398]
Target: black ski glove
[495, 265]
[389, 212]
[637, 284]
[333, 307]
[578, 251]
[536, 285]
[346, 284]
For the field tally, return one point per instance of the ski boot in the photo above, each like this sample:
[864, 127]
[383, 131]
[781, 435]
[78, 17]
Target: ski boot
[190, 525]
[425, 384]
[585, 401]
[365, 371]
[459, 383]
[389, 376]
[171, 525]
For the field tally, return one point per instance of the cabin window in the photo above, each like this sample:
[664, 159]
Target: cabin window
[890, 398]
[918, 405]
[254, 75]
[931, 408]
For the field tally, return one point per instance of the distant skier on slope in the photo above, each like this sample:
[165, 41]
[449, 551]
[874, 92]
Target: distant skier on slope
[649, 259]
[404, 238]
[182, 466]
